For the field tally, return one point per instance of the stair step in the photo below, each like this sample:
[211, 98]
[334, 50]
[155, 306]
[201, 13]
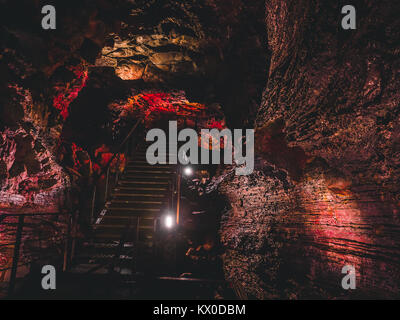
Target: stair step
[121, 226]
[103, 256]
[131, 195]
[105, 245]
[83, 268]
[117, 236]
[134, 205]
[105, 262]
[110, 246]
[121, 219]
[127, 215]
[150, 171]
[134, 209]
[143, 182]
[114, 201]
[109, 233]
[145, 178]
[140, 188]
[108, 254]
[148, 166]
[143, 158]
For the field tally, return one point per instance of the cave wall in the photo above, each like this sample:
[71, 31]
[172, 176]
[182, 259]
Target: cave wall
[213, 50]
[31, 179]
[324, 193]
[42, 72]
[205, 48]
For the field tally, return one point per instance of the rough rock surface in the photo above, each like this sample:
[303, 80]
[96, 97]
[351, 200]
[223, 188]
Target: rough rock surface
[325, 189]
[42, 72]
[326, 194]
[213, 50]
[31, 180]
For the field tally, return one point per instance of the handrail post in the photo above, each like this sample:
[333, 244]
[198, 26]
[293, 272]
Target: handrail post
[117, 169]
[93, 205]
[17, 245]
[73, 237]
[107, 179]
[121, 145]
[66, 244]
[178, 200]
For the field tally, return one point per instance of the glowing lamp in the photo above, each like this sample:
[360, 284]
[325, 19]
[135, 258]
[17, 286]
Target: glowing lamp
[188, 171]
[169, 221]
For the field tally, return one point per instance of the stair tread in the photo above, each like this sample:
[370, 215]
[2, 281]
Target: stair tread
[120, 226]
[143, 182]
[139, 188]
[136, 201]
[106, 245]
[148, 171]
[152, 166]
[135, 206]
[118, 236]
[146, 217]
[130, 176]
[133, 209]
[138, 195]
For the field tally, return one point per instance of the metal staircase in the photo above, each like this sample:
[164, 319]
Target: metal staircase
[127, 253]
[124, 235]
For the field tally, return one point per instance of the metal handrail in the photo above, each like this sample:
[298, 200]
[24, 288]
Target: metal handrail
[120, 246]
[18, 237]
[120, 147]
[106, 168]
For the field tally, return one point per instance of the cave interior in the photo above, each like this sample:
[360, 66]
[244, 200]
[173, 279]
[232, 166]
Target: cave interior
[77, 192]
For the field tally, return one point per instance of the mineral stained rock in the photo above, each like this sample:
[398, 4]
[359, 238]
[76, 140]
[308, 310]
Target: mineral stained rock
[31, 180]
[214, 50]
[325, 194]
[325, 189]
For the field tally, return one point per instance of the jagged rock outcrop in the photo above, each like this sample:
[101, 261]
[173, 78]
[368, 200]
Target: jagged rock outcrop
[213, 50]
[42, 72]
[31, 179]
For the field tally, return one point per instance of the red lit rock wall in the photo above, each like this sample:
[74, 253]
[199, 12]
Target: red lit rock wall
[327, 193]
[31, 180]
[42, 72]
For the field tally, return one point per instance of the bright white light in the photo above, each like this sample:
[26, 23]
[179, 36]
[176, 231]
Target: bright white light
[188, 171]
[169, 222]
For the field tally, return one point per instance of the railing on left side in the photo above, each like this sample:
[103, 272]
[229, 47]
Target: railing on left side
[19, 221]
[97, 199]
